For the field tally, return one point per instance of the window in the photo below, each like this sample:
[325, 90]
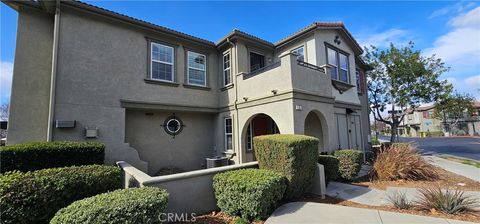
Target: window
[257, 61]
[332, 61]
[300, 53]
[226, 69]
[228, 133]
[161, 66]
[248, 140]
[196, 69]
[339, 65]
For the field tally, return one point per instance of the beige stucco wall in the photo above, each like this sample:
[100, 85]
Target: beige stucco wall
[30, 96]
[186, 151]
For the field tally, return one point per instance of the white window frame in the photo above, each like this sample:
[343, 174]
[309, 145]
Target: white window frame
[228, 68]
[227, 134]
[188, 69]
[250, 129]
[296, 54]
[162, 62]
[338, 65]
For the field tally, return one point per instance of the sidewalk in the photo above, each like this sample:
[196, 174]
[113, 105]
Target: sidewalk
[309, 212]
[468, 171]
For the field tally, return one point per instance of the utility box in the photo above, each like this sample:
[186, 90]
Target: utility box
[217, 161]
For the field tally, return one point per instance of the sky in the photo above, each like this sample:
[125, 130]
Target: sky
[448, 29]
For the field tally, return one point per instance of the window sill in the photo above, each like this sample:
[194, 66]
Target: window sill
[159, 82]
[229, 86]
[206, 88]
[341, 86]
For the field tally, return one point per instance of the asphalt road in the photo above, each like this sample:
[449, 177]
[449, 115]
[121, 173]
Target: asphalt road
[467, 147]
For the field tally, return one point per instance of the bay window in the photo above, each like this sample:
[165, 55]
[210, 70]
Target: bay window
[338, 62]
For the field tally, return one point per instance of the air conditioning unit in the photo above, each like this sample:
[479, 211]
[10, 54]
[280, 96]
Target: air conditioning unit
[217, 161]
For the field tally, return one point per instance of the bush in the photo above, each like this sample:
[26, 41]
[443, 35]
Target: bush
[294, 156]
[399, 200]
[249, 193]
[330, 164]
[447, 200]
[401, 161]
[350, 163]
[132, 205]
[34, 197]
[41, 155]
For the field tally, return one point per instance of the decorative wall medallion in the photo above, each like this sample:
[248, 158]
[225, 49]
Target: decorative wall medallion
[337, 40]
[173, 125]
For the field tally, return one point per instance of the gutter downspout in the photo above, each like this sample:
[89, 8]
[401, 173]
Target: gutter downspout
[238, 150]
[53, 77]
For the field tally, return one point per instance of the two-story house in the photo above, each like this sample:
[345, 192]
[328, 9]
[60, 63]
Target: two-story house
[159, 98]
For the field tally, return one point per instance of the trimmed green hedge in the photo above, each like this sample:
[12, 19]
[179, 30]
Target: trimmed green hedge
[294, 156]
[132, 205]
[330, 165]
[35, 197]
[41, 155]
[350, 163]
[249, 193]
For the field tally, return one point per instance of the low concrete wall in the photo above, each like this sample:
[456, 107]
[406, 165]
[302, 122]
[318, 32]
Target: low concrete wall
[190, 192]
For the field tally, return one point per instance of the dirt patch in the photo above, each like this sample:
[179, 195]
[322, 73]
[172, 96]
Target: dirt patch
[470, 216]
[446, 179]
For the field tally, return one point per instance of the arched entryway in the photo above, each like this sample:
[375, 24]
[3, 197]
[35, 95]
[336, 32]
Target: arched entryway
[257, 125]
[313, 127]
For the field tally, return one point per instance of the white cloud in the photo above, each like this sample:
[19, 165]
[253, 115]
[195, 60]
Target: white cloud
[452, 9]
[460, 47]
[384, 38]
[6, 72]
[473, 81]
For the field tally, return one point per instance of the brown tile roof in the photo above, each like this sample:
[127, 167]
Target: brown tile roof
[315, 25]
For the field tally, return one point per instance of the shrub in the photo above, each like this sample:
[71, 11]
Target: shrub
[401, 161]
[350, 163]
[41, 155]
[294, 156]
[447, 200]
[34, 197]
[330, 164]
[399, 200]
[132, 205]
[249, 193]
[375, 141]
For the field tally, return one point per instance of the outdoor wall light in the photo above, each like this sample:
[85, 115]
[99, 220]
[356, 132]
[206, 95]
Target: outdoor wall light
[245, 98]
[274, 91]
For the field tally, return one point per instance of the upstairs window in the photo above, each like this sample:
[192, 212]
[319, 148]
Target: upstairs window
[197, 69]
[161, 64]
[226, 69]
[228, 133]
[257, 61]
[339, 65]
[300, 53]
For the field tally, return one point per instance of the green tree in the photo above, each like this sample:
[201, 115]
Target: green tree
[454, 107]
[401, 79]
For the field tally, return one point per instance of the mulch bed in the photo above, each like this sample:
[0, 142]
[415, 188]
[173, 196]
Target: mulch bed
[446, 179]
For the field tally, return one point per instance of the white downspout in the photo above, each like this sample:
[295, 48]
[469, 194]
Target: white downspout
[53, 77]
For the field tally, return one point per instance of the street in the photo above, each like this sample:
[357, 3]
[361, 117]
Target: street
[467, 147]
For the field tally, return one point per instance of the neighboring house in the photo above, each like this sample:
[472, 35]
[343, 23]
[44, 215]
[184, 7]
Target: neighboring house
[421, 123]
[160, 98]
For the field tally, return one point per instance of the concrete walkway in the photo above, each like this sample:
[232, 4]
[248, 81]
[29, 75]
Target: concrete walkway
[362, 195]
[309, 212]
[468, 171]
